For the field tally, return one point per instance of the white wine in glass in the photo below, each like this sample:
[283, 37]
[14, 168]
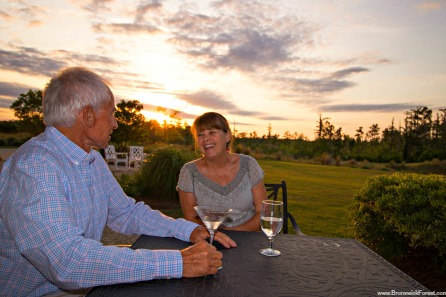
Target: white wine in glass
[212, 217]
[271, 221]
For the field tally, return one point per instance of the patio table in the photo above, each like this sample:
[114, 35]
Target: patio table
[308, 266]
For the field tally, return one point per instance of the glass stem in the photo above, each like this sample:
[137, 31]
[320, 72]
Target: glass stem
[270, 244]
[211, 233]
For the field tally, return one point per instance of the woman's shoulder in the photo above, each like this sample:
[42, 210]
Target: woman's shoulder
[191, 166]
[248, 159]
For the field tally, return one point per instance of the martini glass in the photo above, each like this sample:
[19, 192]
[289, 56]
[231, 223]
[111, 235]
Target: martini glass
[212, 217]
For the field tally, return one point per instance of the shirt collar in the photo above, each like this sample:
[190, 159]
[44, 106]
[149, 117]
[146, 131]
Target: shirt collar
[73, 152]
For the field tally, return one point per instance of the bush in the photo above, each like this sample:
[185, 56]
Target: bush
[325, 159]
[160, 172]
[395, 213]
[11, 140]
[131, 184]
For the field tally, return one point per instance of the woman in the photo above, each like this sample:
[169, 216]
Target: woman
[221, 178]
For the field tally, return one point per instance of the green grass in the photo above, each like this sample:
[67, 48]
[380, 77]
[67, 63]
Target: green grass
[319, 196]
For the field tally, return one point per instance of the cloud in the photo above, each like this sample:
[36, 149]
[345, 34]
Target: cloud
[207, 99]
[430, 5]
[94, 6]
[239, 36]
[347, 72]
[213, 101]
[183, 115]
[246, 113]
[260, 40]
[5, 103]
[153, 6]
[311, 91]
[366, 107]
[12, 90]
[6, 16]
[125, 28]
[34, 23]
[139, 25]
[271, 48]
[273, 118]
[32, 61]
[23, 11]
[140, 85]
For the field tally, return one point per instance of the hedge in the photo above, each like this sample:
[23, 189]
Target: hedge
[393, 213]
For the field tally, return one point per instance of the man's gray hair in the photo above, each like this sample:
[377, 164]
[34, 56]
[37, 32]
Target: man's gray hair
[69, 92]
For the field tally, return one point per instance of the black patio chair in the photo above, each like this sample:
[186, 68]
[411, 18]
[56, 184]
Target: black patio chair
[273, 193]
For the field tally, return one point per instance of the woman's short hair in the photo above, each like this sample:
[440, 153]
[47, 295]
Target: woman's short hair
[211, 120]
[69, 92]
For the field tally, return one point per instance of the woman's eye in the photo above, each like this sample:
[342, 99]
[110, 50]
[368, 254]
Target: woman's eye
[200, 134]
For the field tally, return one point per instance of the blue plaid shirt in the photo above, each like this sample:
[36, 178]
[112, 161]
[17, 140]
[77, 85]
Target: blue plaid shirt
[55, 200]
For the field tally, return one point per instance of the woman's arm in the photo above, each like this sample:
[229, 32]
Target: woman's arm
[188, 201]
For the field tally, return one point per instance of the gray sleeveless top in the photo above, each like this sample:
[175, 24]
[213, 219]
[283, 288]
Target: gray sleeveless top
[236, 195]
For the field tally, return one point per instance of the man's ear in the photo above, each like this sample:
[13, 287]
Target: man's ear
[88, 116]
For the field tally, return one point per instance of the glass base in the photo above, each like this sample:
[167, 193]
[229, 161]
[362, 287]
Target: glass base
[270, 252]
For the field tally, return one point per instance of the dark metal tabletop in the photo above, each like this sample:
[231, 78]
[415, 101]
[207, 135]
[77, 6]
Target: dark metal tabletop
[308, 266]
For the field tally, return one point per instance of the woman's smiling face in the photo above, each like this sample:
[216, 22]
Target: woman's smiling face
[212, 141]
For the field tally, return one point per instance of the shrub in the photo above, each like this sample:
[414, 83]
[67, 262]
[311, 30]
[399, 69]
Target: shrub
[326, 159]
[394, 213]
[338, 161]
[131, 184]
[11, 140]
[239, 149]
[159, 174]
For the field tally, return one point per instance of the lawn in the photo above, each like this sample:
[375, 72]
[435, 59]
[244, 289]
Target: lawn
[318, 195]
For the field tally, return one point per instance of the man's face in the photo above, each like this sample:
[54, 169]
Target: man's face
[105, 123]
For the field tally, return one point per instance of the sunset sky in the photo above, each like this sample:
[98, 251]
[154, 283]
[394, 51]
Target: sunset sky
[259, 63]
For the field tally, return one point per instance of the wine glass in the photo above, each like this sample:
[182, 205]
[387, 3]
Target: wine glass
[271, 221]
[212, 217]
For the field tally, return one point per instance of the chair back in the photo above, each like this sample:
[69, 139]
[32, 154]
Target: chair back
[110, 152]
[113, 157]
[136, 155]
[273, 191]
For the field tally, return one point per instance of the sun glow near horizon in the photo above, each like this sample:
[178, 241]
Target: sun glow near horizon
[160, 106]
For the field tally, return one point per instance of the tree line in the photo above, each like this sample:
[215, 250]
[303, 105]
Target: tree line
[421, 138]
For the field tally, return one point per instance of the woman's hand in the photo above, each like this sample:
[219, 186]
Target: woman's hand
[201, 233]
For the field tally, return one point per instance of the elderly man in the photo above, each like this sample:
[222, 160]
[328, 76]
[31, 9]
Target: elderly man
[57, 194]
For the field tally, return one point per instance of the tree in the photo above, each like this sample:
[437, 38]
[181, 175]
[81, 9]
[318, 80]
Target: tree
[28, 109]
[391, 144]
[130, 124]
[417, 134]
[373, 134]
[359, 134]
[320, 127]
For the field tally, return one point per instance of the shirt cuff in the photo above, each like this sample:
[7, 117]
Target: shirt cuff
[165, 264]
[183, 229]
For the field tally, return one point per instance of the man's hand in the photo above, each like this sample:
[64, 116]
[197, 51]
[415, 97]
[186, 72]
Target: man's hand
[201, 233]
[201, 259]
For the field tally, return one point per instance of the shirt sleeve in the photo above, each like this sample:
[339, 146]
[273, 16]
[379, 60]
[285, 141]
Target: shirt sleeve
[186, 179]
[129, 217]
[256, 173]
